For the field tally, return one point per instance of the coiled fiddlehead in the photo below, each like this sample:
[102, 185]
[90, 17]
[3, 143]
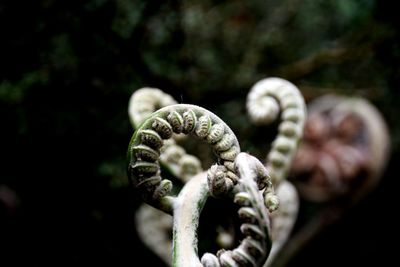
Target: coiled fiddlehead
[268, 98]
[254, 248]
[250, 249]
[144, 172]
[144, 150]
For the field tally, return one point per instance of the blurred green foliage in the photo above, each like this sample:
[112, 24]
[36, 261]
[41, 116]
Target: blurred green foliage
[68, 68]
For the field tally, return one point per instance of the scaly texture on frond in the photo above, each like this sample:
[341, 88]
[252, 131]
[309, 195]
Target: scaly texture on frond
[173, 157]
[255, 247]
[145, 145]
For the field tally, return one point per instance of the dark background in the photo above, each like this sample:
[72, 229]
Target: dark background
[68, 68]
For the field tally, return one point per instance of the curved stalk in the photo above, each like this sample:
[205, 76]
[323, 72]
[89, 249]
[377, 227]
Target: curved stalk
[187, 208]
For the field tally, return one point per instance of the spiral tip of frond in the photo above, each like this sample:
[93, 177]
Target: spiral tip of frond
[163, 189]
[271, 202]
[152, 142]
[262, 110]
[265, 100]
[218, 181]
[253, 213]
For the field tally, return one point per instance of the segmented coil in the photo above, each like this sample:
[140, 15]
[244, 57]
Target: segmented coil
[266, 99]
[149, 137]
[254, 248]
[142, 104]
